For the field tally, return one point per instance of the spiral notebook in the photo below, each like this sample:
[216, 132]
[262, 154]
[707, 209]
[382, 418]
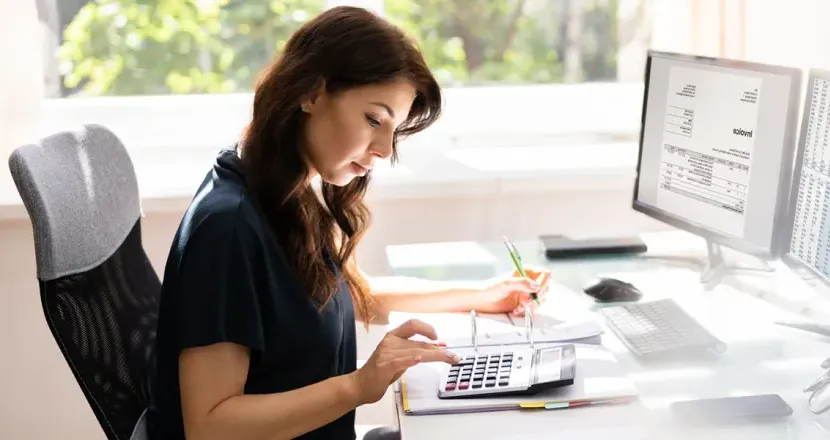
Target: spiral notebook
[599, 380]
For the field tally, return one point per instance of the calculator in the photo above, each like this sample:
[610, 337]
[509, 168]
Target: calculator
[521, 371]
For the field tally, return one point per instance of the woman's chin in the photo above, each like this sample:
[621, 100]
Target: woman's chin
[341, 180]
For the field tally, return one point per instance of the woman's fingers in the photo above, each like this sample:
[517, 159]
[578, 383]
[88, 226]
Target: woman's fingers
[408, 357]
[414, 327]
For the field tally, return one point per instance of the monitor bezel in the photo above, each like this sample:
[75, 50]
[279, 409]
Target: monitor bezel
[778, 244]
[788, 258]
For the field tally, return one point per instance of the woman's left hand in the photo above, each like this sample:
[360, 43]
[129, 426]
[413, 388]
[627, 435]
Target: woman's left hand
[510, 294]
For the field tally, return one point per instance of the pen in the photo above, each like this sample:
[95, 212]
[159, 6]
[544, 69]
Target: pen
[517, 261]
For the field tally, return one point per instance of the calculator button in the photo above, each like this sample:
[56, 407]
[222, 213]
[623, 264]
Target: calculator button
[476, 384]
[450, 387]
[507, 356]
[452, 378]
[465, 377]
[490, 383]
[491, 377]
[463, 385]
[502, 383]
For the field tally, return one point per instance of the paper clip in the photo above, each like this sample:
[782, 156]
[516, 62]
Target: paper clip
[474, 330]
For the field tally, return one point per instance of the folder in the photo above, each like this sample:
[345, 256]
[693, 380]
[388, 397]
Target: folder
[599, 380]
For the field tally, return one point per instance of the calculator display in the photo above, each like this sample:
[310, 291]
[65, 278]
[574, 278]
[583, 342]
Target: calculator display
[549, 367]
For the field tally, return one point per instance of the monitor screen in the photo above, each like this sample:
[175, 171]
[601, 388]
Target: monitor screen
[716, 148]
[810, 238]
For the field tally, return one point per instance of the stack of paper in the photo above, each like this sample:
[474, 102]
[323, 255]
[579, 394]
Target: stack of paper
[599, 380]
[455, 329]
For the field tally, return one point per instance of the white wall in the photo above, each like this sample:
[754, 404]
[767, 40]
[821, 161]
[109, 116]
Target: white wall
[40, 399]
[21, 79]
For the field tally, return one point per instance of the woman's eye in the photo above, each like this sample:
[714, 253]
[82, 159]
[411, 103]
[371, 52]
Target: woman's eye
[372, 121]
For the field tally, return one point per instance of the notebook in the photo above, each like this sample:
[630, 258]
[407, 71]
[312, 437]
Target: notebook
[455, 329]
[599, 380]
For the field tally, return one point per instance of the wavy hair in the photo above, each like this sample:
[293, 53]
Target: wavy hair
[346, 47]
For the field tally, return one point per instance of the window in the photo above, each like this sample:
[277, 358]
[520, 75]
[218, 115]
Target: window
[514, 41]
[162, 47]
[173, 77]
[178, 73]
[159, 47]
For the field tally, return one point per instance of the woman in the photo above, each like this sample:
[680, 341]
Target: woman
[256, 336]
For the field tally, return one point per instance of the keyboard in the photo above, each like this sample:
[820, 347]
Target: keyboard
[660, 328]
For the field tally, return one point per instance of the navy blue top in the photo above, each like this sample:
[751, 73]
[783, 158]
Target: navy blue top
[227, 280]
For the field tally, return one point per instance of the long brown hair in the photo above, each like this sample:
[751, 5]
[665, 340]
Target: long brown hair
[346, 47]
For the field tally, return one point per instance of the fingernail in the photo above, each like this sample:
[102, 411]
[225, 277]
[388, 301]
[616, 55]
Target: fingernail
[455, 358]
[441, 344]
[417, 358]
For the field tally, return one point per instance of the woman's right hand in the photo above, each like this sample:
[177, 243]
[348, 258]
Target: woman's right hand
[395, 353]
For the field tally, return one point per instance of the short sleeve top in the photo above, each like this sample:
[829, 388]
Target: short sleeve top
[227, 280]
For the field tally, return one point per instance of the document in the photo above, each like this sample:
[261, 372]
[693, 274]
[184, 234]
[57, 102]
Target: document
[599, 379]
[708, 144]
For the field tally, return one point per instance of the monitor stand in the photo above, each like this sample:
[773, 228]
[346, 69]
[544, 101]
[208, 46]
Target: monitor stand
[716, 267]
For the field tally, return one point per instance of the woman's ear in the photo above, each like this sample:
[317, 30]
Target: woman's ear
[310, 101]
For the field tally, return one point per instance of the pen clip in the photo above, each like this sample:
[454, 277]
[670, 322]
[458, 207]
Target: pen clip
[474, 328]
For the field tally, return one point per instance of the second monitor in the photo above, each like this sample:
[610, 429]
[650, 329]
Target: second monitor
[716, 149]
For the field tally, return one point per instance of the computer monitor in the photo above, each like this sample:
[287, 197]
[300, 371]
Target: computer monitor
[809, 245]
[717, 142]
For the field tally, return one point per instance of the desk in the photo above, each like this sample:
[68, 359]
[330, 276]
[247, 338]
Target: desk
[761, 357]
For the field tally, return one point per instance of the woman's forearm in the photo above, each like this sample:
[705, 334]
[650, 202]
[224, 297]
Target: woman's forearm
[282, 415]
[417, 295]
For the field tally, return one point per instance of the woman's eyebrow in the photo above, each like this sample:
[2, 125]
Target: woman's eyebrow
[385, 107]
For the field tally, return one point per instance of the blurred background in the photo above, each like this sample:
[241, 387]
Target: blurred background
[160, 47]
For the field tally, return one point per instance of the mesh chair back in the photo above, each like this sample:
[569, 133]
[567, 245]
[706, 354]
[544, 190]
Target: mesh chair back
[99, 292]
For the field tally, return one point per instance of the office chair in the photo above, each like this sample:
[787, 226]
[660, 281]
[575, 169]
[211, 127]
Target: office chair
[98, 290]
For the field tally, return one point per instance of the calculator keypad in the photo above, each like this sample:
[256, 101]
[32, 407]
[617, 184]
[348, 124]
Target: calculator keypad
[480, 371]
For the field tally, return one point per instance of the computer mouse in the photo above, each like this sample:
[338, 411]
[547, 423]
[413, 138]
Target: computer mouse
[612, 290]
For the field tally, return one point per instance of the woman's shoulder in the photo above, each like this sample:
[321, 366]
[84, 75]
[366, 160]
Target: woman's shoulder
[218, 216]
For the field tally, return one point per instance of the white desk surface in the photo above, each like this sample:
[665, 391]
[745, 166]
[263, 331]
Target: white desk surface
[761, 357]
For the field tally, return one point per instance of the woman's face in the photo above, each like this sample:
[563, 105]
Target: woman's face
[348, 131]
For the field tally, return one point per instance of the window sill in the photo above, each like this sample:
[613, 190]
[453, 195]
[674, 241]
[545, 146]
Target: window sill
[428, 173]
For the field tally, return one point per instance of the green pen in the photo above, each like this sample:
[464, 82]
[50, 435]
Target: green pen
[517, 261]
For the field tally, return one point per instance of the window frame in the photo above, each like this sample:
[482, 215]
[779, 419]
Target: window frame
[497, 116]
